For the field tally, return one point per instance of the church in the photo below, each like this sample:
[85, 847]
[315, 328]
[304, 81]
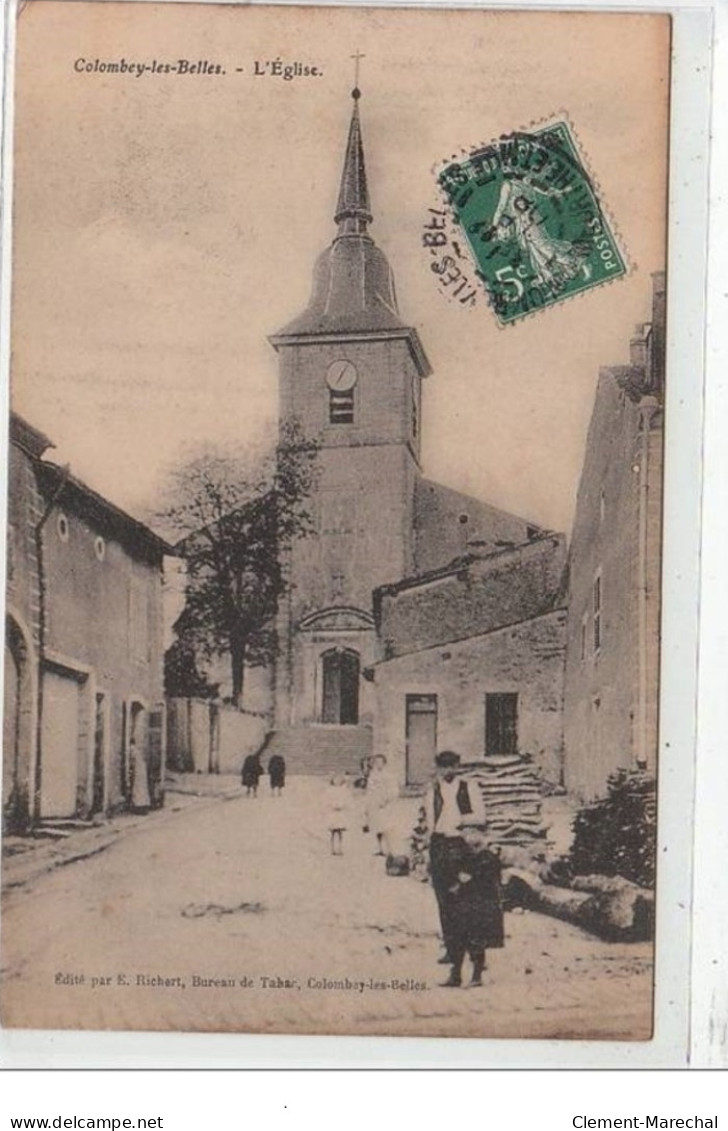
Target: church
[351, 373]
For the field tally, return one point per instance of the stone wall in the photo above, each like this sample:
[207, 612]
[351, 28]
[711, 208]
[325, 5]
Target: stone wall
[611, 686]
[362, 507]
[103, 617]
[525, 658]
[449, 523]
[22, 642]
[383, 397]
[478, 596]
[204, 737]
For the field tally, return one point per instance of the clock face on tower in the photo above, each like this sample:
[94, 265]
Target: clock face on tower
[341, 376]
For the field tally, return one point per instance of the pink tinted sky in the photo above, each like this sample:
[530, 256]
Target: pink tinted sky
[165, 225]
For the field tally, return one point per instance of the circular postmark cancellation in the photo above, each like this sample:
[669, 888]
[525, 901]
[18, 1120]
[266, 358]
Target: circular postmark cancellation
[527, 212]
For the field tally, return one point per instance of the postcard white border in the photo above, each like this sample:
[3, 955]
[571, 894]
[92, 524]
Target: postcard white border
[689, 141]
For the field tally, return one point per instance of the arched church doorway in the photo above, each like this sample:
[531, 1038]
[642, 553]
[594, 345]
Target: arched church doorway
[340, 669]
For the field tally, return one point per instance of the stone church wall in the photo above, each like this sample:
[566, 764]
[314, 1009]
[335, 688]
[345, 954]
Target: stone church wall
[363, 519]
[449, 522]
[382, 397]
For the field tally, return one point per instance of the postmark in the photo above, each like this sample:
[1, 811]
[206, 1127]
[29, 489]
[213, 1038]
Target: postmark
[449, 262]
[529, 214]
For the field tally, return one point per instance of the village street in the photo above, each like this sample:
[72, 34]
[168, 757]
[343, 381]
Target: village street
[229, 899]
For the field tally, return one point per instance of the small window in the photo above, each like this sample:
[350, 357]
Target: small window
[583, 639]
[341, 406]
[501, 723]
[597, 611]
[99, 547]
[62, 527]
[602, 506]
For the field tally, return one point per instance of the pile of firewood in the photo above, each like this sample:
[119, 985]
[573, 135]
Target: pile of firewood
[511, 792]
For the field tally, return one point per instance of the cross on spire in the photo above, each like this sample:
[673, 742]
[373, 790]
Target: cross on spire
[357, 56]
[353, 212]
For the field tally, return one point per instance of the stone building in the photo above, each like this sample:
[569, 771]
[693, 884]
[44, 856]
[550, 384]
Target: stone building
[22, 624]
[473, 660]
[351, 373]
[612, 654]
[84, 697]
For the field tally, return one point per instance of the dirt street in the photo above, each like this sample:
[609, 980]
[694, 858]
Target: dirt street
[233, 916]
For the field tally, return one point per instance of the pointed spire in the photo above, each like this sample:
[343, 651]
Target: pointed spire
[353, 211]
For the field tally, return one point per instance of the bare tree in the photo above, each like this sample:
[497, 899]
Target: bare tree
[234, 527]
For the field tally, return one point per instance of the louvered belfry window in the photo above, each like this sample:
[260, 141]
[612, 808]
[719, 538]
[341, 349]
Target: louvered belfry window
[341, 407]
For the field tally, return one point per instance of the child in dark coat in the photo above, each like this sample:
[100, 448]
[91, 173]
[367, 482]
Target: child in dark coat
[277, 773]
[252, 771]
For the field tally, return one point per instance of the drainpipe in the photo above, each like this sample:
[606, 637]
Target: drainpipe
[647, 410]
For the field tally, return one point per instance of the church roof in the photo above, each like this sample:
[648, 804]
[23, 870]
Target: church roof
[353, 291]
[353, 203]
[353, 285]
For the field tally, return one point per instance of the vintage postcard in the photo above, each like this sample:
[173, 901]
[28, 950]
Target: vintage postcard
[334, 527]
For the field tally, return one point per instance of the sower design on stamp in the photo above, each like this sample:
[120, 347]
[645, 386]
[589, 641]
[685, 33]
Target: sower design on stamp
[532, 221]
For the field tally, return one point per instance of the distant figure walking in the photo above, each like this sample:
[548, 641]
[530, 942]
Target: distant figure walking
[277, 774]
[465, 875]
[339, 809]
[252, 772]
[378, 798]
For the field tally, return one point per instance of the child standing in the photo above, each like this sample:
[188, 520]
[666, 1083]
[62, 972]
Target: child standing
[338, 808]
[379, 793]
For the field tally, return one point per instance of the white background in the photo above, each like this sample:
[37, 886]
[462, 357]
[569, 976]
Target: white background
[380, 1101]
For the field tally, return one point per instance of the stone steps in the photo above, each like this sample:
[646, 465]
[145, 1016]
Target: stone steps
[321, 750]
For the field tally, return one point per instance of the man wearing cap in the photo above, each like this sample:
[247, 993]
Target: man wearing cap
[465, 877]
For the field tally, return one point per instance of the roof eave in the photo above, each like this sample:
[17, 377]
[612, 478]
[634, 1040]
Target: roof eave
[31, 440]
[316, 337]
[111, 510]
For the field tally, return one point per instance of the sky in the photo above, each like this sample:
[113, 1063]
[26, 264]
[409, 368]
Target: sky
[166, 224]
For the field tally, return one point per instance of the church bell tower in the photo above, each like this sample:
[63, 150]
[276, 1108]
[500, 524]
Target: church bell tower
[350, 373]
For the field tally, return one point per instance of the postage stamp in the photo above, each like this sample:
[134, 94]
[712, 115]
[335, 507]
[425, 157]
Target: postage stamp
[530, 215]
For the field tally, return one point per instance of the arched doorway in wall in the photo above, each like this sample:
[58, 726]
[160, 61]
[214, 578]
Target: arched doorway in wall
[340, 673]
[18, 692]
[136, 769]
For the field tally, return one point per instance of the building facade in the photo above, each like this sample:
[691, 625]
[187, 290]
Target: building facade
[473, 660]
[23, 625]
[85, 595]
[612, 655]
[351, 374]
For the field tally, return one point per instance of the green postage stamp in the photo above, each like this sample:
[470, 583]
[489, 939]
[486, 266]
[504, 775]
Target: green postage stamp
[531, 217]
